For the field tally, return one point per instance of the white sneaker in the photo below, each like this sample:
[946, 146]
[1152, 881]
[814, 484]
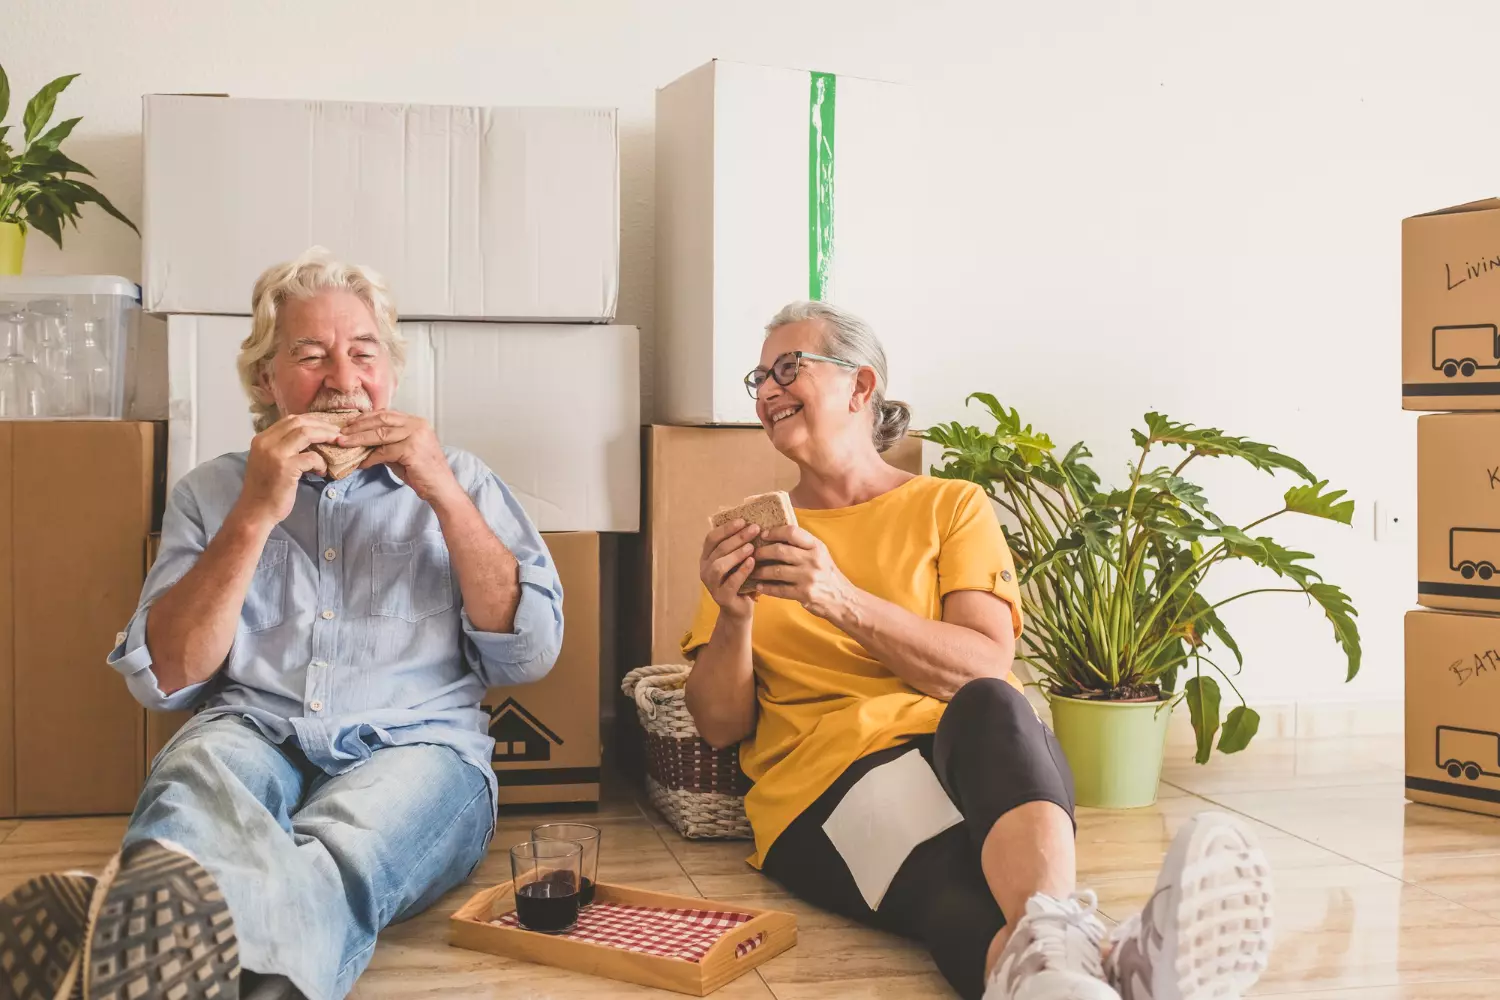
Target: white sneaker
[1053, 954]
[1206, 933]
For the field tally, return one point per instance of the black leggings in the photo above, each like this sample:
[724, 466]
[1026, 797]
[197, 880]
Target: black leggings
[991, 754]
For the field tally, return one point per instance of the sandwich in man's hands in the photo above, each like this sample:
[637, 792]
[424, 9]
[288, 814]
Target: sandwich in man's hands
[341, 461]
[768, 510]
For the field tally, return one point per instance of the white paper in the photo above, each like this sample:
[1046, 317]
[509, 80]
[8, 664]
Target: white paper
[884, 816]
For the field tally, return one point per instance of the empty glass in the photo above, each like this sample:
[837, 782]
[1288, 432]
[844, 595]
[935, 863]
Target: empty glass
[23, 383]
[91, 367]
[586, 837]
[546, 882]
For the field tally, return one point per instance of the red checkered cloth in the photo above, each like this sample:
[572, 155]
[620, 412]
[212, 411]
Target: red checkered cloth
[683, 934]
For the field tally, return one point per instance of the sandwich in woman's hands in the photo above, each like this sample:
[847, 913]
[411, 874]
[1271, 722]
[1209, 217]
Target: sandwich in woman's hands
[768, 510]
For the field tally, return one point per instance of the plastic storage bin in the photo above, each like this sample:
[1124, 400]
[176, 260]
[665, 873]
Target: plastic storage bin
[63, 346]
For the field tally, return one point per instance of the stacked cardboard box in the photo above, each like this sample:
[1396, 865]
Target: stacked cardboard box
[774, 185]
[497, 230]
[1451, 361]
[71, 570]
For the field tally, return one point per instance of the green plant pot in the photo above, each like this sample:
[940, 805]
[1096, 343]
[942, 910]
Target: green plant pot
[12, 247]
[1115, 749]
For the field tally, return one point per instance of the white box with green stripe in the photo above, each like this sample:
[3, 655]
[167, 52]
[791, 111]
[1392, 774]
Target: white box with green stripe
[774, 185]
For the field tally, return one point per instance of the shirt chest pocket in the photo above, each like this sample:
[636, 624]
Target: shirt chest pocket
[265, 601]
[411, 579]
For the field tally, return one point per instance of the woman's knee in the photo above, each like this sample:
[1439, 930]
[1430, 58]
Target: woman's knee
[989, 702]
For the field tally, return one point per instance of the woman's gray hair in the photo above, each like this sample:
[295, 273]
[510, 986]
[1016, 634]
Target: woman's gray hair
[849, 338]
[313, 272]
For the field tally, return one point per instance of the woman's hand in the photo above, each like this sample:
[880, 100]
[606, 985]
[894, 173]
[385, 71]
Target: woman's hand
[726, 564]
[798, 567]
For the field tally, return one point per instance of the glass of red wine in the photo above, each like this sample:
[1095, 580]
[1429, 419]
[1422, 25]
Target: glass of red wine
[588, 838]
[548, 880]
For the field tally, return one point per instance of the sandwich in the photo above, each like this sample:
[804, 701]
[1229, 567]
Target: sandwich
[768, 510]
[341, 461]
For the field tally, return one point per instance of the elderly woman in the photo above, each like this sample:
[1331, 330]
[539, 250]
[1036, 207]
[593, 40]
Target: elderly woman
[863, 660]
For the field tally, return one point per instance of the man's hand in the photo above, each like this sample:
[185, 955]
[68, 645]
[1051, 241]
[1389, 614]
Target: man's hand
[798, 567]
[409, 446]
[278, 458]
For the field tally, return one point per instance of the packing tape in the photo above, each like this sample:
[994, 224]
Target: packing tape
[820, 183]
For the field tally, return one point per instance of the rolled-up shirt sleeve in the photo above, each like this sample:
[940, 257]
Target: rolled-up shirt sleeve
[529, 651]
[182, 542]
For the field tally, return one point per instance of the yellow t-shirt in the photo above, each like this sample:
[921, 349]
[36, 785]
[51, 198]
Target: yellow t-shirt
[824, 701]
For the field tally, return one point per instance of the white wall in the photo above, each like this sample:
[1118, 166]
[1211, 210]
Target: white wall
[1193, 206]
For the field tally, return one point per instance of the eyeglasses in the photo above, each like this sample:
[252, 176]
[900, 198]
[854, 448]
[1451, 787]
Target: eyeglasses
[785, 369]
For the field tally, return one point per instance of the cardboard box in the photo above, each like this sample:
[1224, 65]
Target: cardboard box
[1458, 511]
[1450, 308]
[549, 733]
[71, 559]
[691, 472]
[1453, 710]
[468, 212]
[554, 410]
[548, 741]
[774, 185]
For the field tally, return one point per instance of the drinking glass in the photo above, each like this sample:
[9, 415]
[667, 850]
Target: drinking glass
[23, 391]
[93, 369]
[546, 881]
[586, 837]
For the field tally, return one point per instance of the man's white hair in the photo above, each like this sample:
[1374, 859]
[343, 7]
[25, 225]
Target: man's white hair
[314, 271]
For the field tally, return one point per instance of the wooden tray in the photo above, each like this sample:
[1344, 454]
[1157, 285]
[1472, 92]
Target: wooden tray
[470, 928]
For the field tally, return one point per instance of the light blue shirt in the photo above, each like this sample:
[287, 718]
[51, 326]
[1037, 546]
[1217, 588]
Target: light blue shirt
[353, 635]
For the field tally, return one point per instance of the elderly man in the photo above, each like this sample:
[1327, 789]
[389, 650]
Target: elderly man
[335, 636]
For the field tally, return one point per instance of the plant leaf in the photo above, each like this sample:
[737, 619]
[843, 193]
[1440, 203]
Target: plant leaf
[1212, 442]
[1341, 614]
[44, 219]
[1240, 727]
[1202, 695]
[4, 94]
[58, 162]
[1312, 500]
[54, 136]
[87, 192]
[39, 108]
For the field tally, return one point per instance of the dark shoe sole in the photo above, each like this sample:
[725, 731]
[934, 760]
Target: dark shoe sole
[42, 924]
[161, 931]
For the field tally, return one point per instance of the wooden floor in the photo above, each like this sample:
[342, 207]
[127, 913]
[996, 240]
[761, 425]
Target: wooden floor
[1376, 897]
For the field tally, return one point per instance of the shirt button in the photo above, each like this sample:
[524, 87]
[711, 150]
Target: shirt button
[332, 493]
[1005, 575]
[329, 554]
[328, 614]
[316, 706]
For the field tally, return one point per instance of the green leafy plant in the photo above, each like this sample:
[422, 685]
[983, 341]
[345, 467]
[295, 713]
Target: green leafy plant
[1112, 578]
[35, 186]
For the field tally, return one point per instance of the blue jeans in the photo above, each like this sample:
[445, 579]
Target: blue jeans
[313, 866]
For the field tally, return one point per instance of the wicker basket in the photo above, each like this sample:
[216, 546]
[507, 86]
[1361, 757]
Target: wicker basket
[699, 790]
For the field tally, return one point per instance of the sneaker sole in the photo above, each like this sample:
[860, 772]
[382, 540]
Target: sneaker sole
[161, 931]
[42, 923]
[1223, 925]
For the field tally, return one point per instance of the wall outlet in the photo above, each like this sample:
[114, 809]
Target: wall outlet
[1393, 523]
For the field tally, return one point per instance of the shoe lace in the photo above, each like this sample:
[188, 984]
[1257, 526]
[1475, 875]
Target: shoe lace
[1067, 932]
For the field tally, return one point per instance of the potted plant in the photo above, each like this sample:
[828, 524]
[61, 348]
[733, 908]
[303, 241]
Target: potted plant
[1113, 587]
[35, 189]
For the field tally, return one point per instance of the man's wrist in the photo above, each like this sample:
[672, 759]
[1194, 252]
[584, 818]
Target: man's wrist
[248, 523]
